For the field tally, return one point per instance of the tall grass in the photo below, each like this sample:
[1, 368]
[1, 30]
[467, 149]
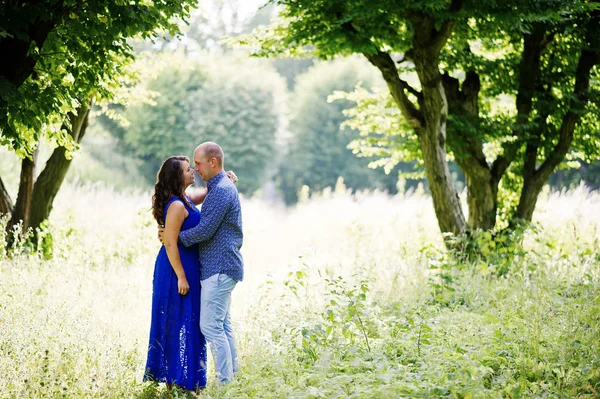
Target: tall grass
[344, 296]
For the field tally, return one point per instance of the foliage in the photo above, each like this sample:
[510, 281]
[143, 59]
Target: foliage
[497, 53]
[303, 24]
[214, 100]
[491, 254]
[99, 161]
[538, 56]
[79, 322]
[318, 150]
[384, 134]
[157, 130]
[345, 325]
[82, 56]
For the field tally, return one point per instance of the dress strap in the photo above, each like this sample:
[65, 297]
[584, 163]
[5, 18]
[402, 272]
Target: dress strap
[168, 204]
[188, 207]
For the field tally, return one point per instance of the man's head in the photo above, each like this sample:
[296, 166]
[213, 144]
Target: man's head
[208, 158]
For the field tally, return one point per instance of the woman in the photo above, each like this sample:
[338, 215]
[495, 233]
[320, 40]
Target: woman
[177, 348]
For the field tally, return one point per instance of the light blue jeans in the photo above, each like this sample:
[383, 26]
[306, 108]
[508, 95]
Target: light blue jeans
[215, 323]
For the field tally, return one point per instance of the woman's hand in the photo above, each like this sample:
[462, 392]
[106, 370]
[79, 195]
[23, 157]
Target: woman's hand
[232, 176]
[183, 286]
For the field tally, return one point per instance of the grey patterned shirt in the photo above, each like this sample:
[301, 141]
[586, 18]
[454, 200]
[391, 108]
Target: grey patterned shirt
[219, 232]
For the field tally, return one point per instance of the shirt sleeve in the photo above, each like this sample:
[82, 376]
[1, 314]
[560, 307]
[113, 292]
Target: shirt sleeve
[215, 207]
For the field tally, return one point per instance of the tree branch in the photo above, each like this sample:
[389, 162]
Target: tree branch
[442, 36]
[501, 164]
[534, 140]
[6, 204]
[587, 60]
[529, 71]
[384, 62]
[462, 104]
[411, 90]
[386, 65]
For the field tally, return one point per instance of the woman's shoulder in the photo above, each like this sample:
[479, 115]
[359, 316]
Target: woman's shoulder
[177, 202]
[176, 208]
[174, 203]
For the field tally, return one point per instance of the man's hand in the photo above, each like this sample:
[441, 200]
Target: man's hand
[161, 230]
[232, 176]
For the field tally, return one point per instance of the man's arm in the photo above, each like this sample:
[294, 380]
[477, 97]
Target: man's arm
[213, 212]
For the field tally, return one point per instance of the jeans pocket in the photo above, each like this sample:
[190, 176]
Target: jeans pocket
[225, 281]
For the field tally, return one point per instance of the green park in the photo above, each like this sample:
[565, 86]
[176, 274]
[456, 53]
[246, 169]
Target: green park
[418, 183]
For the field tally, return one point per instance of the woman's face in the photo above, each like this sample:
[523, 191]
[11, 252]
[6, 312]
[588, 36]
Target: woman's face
[188, 174]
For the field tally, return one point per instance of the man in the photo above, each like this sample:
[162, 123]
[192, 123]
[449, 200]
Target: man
[219, 235]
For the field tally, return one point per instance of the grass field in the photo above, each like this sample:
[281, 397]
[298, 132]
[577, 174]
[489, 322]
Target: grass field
[344, 297]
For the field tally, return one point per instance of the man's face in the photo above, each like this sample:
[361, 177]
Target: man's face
[203, 165]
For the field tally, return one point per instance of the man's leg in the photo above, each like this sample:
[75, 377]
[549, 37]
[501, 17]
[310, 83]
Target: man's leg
[215, 303]
[229, 333]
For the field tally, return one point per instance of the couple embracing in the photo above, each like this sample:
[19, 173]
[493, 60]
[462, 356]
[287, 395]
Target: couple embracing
[195, 271]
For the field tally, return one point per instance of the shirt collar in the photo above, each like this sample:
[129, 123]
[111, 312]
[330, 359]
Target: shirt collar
[215, 180]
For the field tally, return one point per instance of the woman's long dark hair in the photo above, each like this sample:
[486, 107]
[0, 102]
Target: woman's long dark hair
[169, 183]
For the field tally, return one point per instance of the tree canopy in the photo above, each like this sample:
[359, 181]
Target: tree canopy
[451, 67]
[60, 56]
[60, 53]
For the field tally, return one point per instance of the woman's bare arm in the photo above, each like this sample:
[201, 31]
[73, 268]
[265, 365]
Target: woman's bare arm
[197, 196]
[174, 220]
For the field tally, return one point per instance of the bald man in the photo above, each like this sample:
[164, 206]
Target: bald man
[219, 235]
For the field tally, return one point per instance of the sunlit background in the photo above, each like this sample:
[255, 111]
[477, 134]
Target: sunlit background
[349, 289]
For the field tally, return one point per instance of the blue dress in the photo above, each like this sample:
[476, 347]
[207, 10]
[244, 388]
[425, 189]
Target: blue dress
[177, 348]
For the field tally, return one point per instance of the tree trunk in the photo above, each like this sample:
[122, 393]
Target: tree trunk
[534, 179]
[49, 181]
[6, 205]
[482, 194]
[429, 120]
[432, 138]
[26, 182]
[482, 188]
[427, 43]
[528, 199]
[534, 44]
